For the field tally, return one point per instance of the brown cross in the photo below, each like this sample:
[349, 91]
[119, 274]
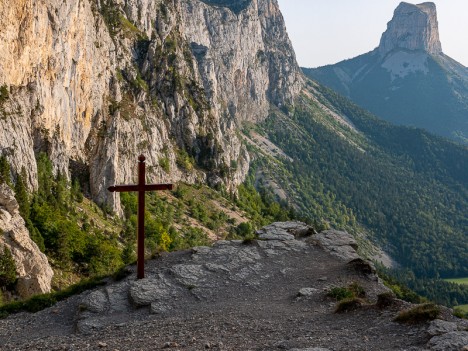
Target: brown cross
[141, 188]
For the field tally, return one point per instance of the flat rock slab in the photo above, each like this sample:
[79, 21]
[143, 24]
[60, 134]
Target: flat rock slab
[145, 291]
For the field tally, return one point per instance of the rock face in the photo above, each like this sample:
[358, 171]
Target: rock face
[96, 83]
[407, 79]
[413, 27]
[32, 267]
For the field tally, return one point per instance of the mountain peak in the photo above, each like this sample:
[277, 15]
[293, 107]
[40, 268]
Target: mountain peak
[413, 27]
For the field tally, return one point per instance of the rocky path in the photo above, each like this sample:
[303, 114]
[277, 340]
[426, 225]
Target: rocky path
[268, 294]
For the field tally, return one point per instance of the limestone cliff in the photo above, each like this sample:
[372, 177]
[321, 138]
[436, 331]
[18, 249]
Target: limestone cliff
[413, 27]
[94, 83]
[32, 267]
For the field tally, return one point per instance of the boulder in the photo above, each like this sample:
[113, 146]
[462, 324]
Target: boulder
[284, 231]
[339, 243]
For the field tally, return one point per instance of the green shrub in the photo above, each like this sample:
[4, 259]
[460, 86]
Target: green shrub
[21, 194]
[5, 175]
[164, 163]
[7, 268]
[245, 230]
[419, 314]
[340, 293]
[458, 312]
[184, 160]
[111, 15]
[4, 94]
[401, 291]
[40, 302]
[357, 290]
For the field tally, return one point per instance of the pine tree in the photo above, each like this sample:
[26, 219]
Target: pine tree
[62, 194]
[4, 171]
[7, 268]
[21, 195]
[76, 193]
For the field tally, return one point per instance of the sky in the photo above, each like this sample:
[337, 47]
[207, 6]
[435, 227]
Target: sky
[328, 31]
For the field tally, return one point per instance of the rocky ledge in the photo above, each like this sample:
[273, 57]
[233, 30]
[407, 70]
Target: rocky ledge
[264, 294]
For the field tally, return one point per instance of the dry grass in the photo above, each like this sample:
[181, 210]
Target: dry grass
[419, 314]
[349, 304]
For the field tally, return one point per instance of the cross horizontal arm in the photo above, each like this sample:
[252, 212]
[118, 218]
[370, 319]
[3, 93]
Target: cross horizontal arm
[122, 188]
[148, 187]
[151, 187]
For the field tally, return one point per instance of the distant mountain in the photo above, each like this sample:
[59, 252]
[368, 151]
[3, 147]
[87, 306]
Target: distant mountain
[407, 79]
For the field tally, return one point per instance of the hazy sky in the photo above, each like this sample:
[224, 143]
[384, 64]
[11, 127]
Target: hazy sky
[328, 31]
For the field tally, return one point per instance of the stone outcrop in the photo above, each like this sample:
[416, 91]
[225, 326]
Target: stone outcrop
[339, 243]
[96, 83]
[32, 267]
[209, 271]
[413, 27]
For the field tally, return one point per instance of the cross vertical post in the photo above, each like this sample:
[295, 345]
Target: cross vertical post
[141, 217]
[141, 188]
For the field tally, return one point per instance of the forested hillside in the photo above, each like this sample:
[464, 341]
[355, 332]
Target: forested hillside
[404, 185]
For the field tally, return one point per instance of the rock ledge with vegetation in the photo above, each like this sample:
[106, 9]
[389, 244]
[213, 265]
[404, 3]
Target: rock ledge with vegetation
[278, 292]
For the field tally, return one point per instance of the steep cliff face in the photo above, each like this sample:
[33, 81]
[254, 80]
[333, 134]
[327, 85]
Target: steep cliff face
[413, 27]
[32, 267]
[56, 61]
[95, 83]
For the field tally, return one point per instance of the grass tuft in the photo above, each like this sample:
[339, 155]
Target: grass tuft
[353, 290]
[349, 304]
[340, 293]
[419, 314]
[385, 300]
[460, 313]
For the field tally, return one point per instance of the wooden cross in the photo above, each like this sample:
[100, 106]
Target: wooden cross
[141, 188]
